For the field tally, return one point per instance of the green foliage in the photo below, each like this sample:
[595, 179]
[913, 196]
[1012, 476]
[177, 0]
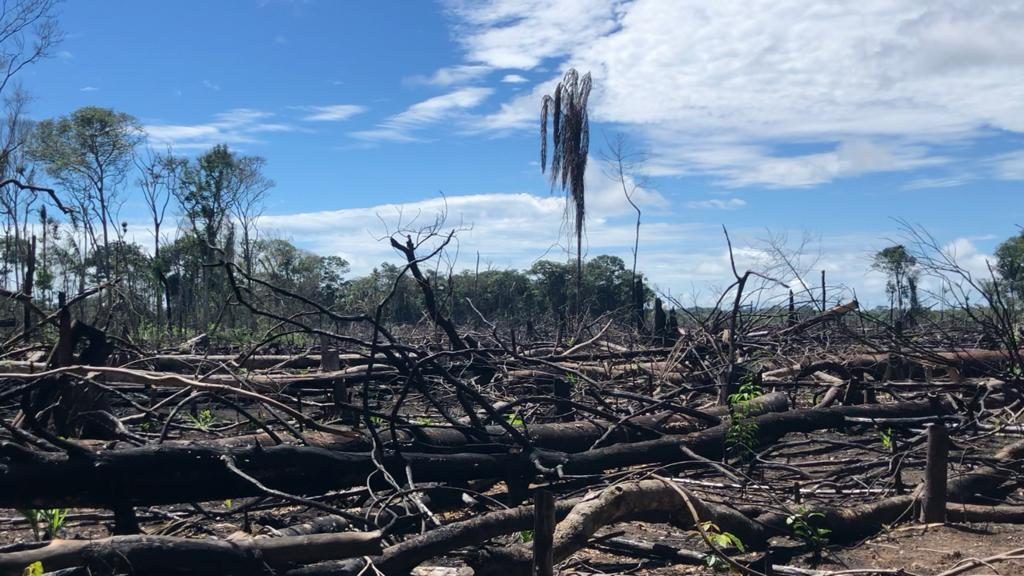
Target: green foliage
[526, 536]
[515, 420]
[887, 436]
[901, 268]
[720, 539]
[46, 524]
[89, 153]
[1010, 262]
[90, 148]
[803, 524]
[741, 437]
[33, 569]
[204, 420]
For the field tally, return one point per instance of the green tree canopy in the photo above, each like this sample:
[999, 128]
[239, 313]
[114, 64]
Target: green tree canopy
[1010, 262]
[89, 153]
[901, 268]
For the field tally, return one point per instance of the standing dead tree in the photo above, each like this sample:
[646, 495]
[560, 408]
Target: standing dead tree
[570, 136]
[620, 161]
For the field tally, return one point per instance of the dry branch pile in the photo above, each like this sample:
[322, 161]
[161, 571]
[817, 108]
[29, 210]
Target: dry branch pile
[758, 440]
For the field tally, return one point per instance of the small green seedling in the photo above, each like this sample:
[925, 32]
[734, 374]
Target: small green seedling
[204, 420]
[741, 437]
[46, 524]
[802, 524]
[720, 539]
[886, 438]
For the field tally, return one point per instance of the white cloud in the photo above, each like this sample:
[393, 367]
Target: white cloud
[950, 181]
[521, 112]
[513, 79]
[966, 254]
[739, 164]
[452, 76]
[211, 86]
[401, 127]
[515, 230]
[874, 85]
[237, 126]
[333, 112]
[1010, 166]
[716, 204]
[522, 33]
[88, 89]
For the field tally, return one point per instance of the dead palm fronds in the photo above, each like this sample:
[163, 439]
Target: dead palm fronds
[571, 139]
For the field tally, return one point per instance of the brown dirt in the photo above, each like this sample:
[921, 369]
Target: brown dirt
[918, 550]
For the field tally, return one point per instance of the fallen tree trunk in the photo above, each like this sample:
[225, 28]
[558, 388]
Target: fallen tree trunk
[647, 500]
[168, 555]
[152, 475]
[260, 382]
[964, 362]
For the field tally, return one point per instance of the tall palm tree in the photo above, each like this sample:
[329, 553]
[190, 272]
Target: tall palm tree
[571, 139]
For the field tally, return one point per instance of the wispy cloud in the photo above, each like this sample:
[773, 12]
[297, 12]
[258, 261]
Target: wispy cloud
[403, 127]
[211, 86]
[88, 89]
[333, 112]
[730, 84]
[523, 33]
[513, 230]
[452, 75]
[510, 229]
[513, 79]
[1009, 166]
[717, 204]
[737, 164]
[951, 181]
[236, 126]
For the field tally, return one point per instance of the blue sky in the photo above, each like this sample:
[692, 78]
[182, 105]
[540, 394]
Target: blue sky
[768, 117]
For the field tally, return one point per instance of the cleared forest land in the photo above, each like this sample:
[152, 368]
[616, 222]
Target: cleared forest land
[754, 441]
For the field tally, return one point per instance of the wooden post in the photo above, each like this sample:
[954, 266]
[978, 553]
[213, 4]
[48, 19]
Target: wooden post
[64, 350]
[659, 319]
[543, 533]
[563, 393]
[823, 306]
[638, 304]
[933, 498]
[30, 274]
[791, 320]
[329, 361]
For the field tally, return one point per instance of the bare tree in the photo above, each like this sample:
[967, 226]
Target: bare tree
[28, 32]
[158, 179]
[620, 163]
[248, 202]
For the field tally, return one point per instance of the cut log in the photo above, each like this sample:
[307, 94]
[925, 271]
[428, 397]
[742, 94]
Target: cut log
[166, 554]
[156, 475]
